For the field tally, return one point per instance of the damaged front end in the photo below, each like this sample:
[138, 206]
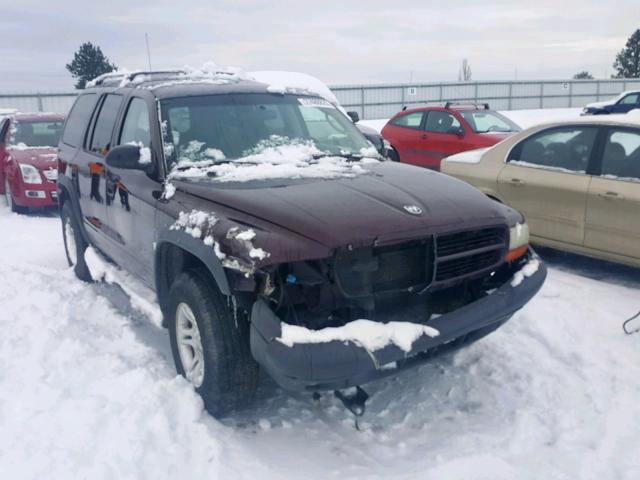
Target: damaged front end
[366, 312]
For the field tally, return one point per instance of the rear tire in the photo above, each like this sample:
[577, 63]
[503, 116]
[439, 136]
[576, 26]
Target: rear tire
[74, 244]
[210, 345]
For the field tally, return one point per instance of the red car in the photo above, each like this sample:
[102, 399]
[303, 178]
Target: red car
[424, 136]
[28, 156]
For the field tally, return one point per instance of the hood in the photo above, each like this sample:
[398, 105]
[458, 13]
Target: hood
[492, 138]
[360, 210]
[608, 103]
[43, 158]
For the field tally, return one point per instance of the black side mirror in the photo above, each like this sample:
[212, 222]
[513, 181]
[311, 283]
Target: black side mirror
[459, 131]
[355, 118]
[126, 157]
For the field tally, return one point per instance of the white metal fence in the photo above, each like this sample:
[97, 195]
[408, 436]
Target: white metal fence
[383, 100]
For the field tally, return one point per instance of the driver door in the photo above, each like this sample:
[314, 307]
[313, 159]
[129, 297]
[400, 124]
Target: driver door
[546, 179]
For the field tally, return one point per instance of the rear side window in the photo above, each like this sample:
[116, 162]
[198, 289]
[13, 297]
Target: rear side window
[564, 149]
[410, 120]
[630, 99]
[103, 130]
[442, 122]
[78, 120]
[136, 124]
[621, 156]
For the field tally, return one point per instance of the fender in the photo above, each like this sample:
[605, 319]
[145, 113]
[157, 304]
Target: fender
[67, 191]
[195, 247]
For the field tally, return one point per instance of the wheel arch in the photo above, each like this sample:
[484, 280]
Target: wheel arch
[175, 253]
[66, 193]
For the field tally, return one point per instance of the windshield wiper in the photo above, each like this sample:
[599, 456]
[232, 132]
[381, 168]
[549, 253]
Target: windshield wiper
[353, 157]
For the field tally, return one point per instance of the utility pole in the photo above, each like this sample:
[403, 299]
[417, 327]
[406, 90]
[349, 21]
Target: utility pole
[146, 39]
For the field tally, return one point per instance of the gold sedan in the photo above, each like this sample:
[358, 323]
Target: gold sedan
[577, 183]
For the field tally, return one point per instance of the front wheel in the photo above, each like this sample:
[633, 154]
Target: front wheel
[74, 244]
[9, 199]
[210, 344]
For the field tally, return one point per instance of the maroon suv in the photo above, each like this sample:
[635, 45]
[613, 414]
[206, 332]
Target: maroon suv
[275, 236]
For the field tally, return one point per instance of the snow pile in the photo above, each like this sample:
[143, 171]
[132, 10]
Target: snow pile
[526, 271]
[276, 158]
[102, 271]
[369, 334]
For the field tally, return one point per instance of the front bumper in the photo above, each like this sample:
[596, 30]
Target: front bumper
[336, 365]
[36, 196]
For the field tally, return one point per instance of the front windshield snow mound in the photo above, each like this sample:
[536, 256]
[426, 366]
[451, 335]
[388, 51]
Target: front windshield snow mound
[275, 158]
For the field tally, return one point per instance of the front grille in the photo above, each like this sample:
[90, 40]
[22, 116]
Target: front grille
[463, 254]
[367, 271]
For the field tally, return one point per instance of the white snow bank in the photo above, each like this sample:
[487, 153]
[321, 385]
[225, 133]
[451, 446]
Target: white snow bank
[276, 158]
[369, 334]
[102, 271]
[470, 156]
[526, 271]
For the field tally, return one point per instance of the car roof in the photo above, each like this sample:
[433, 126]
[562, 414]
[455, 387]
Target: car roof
[445, 107]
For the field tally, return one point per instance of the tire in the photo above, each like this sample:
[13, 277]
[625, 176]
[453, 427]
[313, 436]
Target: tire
[226, 377]
[74, 244]
[9, 199]
[393, 155]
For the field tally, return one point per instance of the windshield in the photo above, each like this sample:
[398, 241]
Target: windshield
[226, 127]
[483, 121]
[37, 133]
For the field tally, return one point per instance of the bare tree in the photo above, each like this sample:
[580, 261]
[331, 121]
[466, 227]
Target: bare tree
[464, 75]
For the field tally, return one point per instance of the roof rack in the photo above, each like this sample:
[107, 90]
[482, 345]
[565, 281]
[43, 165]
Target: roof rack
[471, 104]
[114, 79]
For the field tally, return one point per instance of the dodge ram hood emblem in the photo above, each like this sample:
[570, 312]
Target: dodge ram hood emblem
[413, 209]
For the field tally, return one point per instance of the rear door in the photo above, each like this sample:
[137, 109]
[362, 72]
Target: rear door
[445, 136]
[613, 206]
[546, 179]
[406, 135]
[130, 196]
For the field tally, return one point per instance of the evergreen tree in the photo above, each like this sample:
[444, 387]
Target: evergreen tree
[583, 75]
[88, 63]
[627, 62]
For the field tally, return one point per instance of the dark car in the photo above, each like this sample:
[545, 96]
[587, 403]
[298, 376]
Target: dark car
[274, 235]
[424, 136]
[623, 103]
[371, 134]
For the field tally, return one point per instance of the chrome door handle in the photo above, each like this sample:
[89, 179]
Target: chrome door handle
[611, 195]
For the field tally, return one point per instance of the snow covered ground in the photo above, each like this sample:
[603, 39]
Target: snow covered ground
[524, 118]
[88, 390]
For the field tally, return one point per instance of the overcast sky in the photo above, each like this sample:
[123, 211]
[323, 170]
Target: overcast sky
[338, 41]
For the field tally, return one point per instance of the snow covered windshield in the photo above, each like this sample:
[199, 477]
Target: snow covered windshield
[482, 121]
[37, 134]
[221, 128]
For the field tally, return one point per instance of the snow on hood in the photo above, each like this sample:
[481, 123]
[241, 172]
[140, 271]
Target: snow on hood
[601, 104]
[470, 156]
[369, 334]
[276, 158]
[39, 157]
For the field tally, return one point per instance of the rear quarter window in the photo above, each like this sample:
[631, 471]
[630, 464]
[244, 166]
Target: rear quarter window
[409, 120]
[78, 120]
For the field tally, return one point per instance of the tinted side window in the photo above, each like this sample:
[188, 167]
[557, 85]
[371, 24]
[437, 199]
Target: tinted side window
[621, 156]
[101, 138]
[564, 148]
[78, 120]
[136, 124]
[410, 120]
[441, 122]
[630, 99]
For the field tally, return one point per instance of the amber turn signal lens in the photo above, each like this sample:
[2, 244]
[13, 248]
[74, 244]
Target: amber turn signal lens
[516, 253]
